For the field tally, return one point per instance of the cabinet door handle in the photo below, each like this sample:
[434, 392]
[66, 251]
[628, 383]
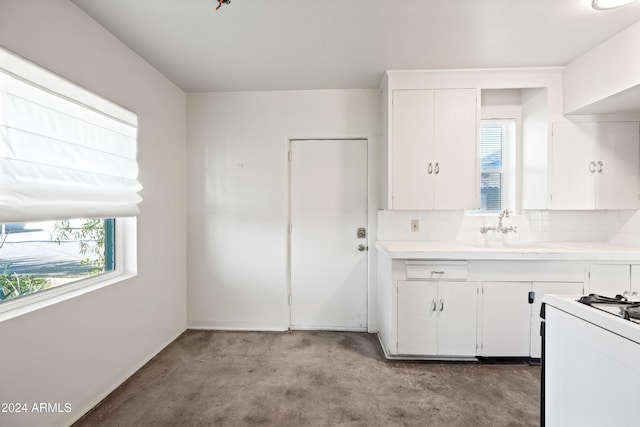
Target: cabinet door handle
[437, 170]
[600, 165]
[430, 168]
[433, 305]
[441, 305]
[532, 297]
[592, 167]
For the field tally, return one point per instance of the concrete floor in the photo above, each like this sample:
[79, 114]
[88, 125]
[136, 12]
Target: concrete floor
[214, 378]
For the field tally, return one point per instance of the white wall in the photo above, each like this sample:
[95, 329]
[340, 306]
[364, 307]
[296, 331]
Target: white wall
[238, 196]
[608, 69]
[615, 226]
[80, 350]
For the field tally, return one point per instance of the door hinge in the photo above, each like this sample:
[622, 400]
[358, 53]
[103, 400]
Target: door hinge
[290, 299]
[290, 230]
[290, 157]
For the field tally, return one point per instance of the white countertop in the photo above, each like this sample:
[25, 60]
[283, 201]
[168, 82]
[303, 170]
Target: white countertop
[610, 322]
[577, 251]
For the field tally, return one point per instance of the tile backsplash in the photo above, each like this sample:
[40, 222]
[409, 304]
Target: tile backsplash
[615, 226]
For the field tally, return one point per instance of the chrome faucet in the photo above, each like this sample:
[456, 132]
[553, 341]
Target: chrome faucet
[500, 228]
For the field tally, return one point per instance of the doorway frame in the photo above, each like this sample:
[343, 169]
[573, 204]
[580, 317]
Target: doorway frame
[288, 227]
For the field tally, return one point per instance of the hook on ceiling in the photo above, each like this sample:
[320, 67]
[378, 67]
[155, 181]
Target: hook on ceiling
[220, 2]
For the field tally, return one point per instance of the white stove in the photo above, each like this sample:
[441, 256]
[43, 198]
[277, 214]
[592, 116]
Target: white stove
[590, 362]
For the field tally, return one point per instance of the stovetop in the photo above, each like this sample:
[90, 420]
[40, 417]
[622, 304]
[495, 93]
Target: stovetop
[626, 306]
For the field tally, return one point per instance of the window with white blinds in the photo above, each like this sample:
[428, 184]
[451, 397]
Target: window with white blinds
[68, 188]
[64, 151]
[496, 140]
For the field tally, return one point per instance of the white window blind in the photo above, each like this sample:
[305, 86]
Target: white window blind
[491, 152]
[64, 151]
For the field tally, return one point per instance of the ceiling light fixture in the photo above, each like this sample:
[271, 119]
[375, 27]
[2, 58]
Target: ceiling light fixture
[220, 2]
[609, 4]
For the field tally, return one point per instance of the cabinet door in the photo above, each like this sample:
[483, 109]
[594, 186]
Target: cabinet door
[417, 313]
[617, 173]
[412, 149]
[635, 278]
[540, 289]
[455, 156]
[506, 319]
[457, 318]
[573, 176]
[609, 279]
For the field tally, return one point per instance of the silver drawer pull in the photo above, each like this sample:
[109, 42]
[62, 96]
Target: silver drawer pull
[437, 272]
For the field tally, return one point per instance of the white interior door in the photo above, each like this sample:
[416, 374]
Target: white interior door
[328, 206]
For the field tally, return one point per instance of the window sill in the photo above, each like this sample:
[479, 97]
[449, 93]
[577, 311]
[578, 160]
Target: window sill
[29, 303]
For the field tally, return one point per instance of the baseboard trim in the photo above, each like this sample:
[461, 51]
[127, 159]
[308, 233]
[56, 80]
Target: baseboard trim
[235, 326]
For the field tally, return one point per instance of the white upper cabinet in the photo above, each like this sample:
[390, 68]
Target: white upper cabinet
[595, 165]
[434, 149]
[413, 149]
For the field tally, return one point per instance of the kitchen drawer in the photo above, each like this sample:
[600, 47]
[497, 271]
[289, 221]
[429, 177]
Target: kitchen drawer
[437, 270]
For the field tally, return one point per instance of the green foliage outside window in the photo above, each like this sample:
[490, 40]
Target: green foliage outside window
[91, 239]
[13, 285]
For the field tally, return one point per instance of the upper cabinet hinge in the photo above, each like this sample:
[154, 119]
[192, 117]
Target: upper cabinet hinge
[289, 157]
[290, 228]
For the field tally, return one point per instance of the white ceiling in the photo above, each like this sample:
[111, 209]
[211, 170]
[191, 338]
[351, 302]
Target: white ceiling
[340, 44]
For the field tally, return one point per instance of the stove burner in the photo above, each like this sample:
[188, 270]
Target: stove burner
[632, 312]
[629, 310]
[600, 299]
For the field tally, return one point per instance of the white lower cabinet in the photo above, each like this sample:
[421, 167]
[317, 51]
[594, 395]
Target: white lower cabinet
[510, 316]
[635, 278]
[437, 318]
[447, 309]
[609, 279]
[505, 319]
[539, 290]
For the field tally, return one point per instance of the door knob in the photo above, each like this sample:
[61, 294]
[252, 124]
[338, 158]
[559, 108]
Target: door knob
[362, 248]
[361, 233]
